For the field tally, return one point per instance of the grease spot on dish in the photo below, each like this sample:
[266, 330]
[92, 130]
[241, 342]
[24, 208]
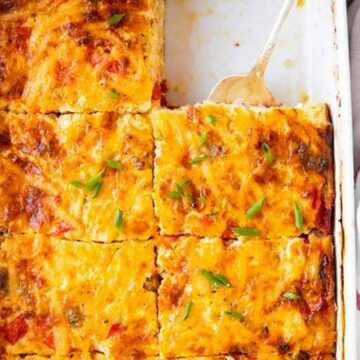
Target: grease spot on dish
[300, 3]
[289, 63]
[304, 97]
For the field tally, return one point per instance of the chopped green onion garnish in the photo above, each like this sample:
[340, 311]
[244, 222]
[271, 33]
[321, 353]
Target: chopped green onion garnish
[291, 296]
[90, 184]
[187, 310]
[211, 119]
[115, 19]
[198, 159]
[182, 185]
[118, 220]
[76, 183]
[113, 164]
[159, 138]
[255, 209]
[202, 198]
[245, 231]
[267, 152]
[97, 189]
[180, 190]
[114, 94]
[203, 138]
[216, 280]
[235, 314]
[299, 220]
[174, 194]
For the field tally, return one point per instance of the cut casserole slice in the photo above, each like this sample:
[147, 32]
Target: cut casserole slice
[86, 177]
[227, 171]
[247, 297]
[61, 297]
[82, 56]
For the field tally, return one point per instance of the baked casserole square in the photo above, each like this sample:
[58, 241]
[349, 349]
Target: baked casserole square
[223, 170]
[78, 176]
[251, 297]
[81, 55]
[72, 298]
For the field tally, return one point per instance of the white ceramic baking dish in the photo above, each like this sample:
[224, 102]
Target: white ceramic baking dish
[208, 39]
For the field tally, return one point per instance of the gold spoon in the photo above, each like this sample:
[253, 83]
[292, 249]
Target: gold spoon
[250, 88]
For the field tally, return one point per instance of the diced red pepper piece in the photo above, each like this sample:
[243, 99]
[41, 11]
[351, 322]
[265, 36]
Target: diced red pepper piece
[115, 330]
[15, 330]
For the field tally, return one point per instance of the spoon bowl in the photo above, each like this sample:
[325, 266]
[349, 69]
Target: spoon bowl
[250, 89]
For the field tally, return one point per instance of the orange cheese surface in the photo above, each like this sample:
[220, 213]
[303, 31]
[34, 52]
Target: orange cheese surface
[247, 297]
[81, 55]
[56, 177]
[60, 297]
[134, 232]
[213, 163]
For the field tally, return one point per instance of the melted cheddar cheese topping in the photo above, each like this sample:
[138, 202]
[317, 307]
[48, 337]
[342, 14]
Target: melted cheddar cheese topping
[86, 177]
[81, 55]
[247, 297]
[220, 168]
[60, 297]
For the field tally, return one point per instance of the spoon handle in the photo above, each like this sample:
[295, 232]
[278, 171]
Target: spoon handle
[261, 64]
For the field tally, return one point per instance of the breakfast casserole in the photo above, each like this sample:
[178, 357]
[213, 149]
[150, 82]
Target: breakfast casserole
[228, 170]
[61, 297]
[78, 176]
[130, 231]
[246, 296]
[80, 55]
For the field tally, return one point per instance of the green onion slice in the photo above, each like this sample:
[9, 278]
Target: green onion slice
[119, 219]
[245, 231]
[92, 183]
[76, 183]
[115, 19]
[216, 280]
[291, 295]
[113, 164]
[198, 159]
[174, 194]
[267, 152]
[97, 189]
[203, 138]
[182, 185]
[255, 208]
[180, 190]
[299, 220]
[235, 314]
[114, 94]
[187, 310]
[211, 119]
